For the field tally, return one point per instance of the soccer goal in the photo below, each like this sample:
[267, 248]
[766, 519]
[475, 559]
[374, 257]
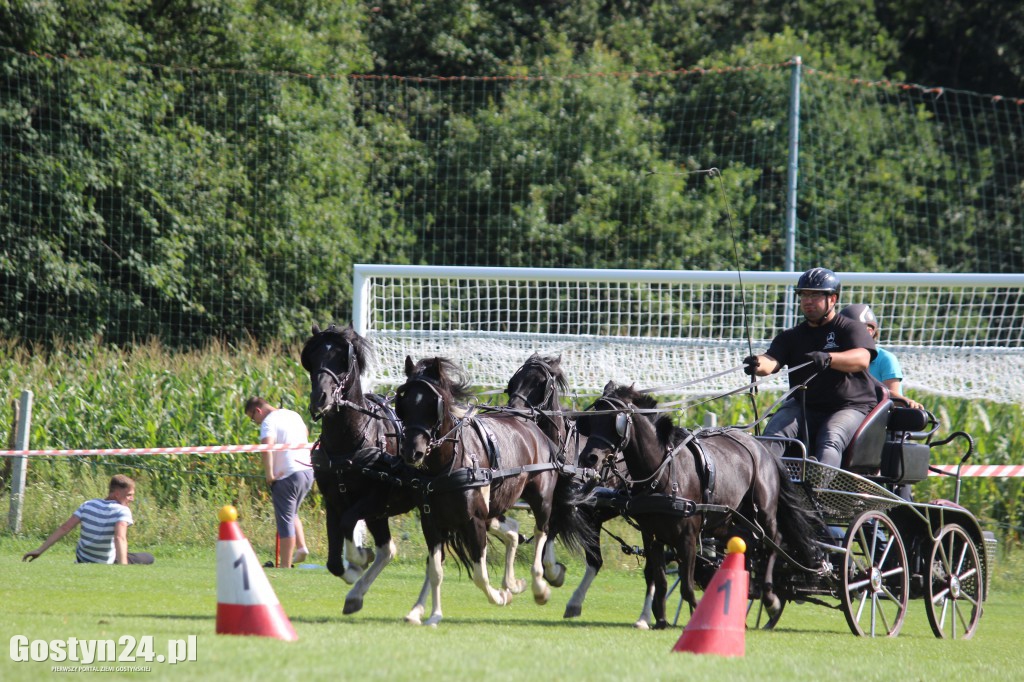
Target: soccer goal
[957, 334]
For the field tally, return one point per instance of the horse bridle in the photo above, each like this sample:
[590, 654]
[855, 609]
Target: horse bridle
[432, 432]
[623, 423]
[549, 383]
[337, 395]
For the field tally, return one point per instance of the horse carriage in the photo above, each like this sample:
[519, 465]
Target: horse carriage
[874, 548]
[815, 532]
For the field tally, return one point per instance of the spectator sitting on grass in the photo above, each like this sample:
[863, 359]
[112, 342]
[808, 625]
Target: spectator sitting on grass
[104, 536]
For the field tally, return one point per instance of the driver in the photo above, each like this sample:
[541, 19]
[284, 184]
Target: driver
[839, 391]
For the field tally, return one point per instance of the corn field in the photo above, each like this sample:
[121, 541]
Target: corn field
[95, 396]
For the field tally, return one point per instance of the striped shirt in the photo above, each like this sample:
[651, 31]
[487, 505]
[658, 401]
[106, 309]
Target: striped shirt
[99, 517]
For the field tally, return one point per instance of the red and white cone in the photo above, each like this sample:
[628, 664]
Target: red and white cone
[246, 603]
[718, 624]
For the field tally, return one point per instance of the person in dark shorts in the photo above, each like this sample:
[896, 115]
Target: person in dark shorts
[288, 472]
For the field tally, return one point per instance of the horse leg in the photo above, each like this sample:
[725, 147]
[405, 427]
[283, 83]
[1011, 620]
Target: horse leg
[554, 571]
[435, 576]
[415, 615]
[686, 556]
[541, 589]
[657, 584]
[646, 616]
[507, 530]
[644, 621]
[660, 593]
[386, 551]
[768, 597]
[477, 536]
[769, 522]
[356, 555]
[333, 509]
[595, 561]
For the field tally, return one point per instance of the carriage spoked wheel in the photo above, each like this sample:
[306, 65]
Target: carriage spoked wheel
[954, 588]
[875, 577]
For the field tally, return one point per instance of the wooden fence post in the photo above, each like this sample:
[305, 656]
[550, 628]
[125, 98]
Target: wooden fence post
[23, 421]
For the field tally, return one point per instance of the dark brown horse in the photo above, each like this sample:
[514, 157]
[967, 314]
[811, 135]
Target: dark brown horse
[671, 497]
[480, 465]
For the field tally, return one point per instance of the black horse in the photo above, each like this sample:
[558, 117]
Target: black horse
[536, 389]
[359, 433]
[480, 466]
[670, 485]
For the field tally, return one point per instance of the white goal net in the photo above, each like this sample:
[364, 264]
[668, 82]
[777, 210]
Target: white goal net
[954, 334]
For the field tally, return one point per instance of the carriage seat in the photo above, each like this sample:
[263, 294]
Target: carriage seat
[885, 447]
[905, 459]
[863, 454]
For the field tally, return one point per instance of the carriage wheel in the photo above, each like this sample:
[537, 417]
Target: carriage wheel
[758, 617]
[876, 578]
[954, 585]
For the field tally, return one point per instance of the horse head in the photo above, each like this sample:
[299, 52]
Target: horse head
[335, 358]
[612, 428]
[426, 405]
[537, 384]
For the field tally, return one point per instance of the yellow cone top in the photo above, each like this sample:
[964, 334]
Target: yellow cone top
[229, 513]
[736, 545]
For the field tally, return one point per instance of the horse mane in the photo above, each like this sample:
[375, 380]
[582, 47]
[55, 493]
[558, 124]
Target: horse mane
[670, 435]
[362, 347]
[446, 375]
[630, 394]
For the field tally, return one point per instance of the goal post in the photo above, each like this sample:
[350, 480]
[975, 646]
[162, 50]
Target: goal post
[955, 334]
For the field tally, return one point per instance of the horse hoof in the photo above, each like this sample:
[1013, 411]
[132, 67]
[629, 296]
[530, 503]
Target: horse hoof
[541, 598]
[572, 611]
[433, 621]
[661, 625]
[412, 619]
[517, 587]
[352, 605]
[641, 625]
[557, 575]
[774, 607]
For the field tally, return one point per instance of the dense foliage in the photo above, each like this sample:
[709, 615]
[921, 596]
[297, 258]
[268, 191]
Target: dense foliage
[210, 169]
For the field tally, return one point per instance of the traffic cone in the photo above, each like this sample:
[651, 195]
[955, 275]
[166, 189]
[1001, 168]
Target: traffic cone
[246, 603]
[718, 624]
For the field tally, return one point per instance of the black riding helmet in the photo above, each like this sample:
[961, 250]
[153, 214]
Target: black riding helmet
[819, 279]
[861, 312]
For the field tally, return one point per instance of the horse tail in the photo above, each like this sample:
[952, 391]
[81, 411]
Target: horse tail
[569, 523]
[798, 525]
[456, 542]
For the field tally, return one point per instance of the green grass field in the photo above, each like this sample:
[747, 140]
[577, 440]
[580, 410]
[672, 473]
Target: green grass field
[53, 599]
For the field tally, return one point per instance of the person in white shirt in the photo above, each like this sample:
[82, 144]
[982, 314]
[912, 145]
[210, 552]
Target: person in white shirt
[289, 473]
[104, 536]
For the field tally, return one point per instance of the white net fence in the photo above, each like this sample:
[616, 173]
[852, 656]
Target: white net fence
[954, 334]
